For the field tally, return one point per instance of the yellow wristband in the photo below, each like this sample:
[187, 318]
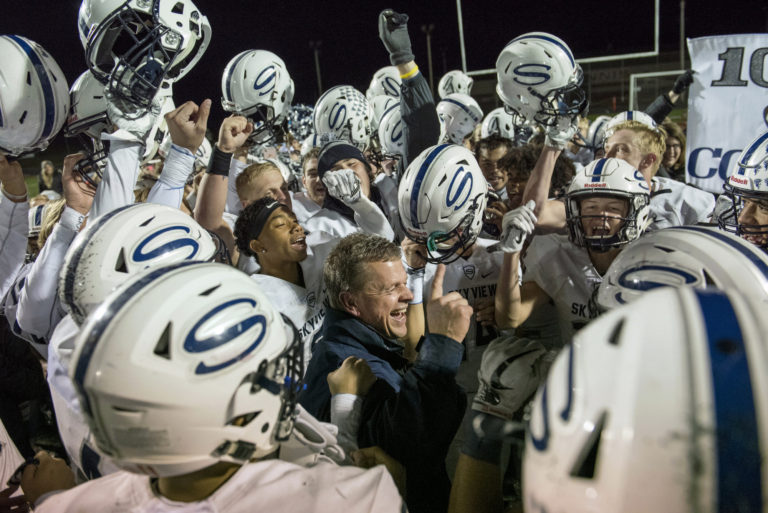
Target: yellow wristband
[410, 73]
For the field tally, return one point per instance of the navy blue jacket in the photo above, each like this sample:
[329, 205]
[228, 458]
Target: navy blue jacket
[412, 411]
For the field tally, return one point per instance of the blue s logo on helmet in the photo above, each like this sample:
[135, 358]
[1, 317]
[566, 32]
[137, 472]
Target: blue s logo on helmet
[266, 81]
[532, 74]
[140, 256]
[224, 336]
[391, 86]
[338, 115]
[632, 278]
[466, 183]
[397, 132]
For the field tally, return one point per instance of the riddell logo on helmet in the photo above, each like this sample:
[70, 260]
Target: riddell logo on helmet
[742, 181]
[596, 185]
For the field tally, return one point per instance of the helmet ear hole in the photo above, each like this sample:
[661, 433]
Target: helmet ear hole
[587, 461]
[163, 347]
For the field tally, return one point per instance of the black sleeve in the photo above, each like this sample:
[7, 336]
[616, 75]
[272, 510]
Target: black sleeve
[659, 108]
[420, 420]
[420, 123]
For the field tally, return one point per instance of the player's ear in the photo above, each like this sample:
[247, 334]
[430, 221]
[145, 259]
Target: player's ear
[349, 302]
[256, 246]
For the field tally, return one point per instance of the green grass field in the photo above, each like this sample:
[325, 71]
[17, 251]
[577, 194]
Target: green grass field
[31, 185]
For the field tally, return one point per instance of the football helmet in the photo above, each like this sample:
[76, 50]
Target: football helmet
[629, 115]
[442, 197]
[391, 134]
[613, 178]
[86, 122]
[656, 406]
[34, 96]
[539, 81]
[133, 46]
[595, 139]
[123, 242]
[498, 122]
[315, 141]
[256, 84]
[385, 82]
[748, 181]
[455, 81]
[344, 112]
[459, 114]
[379, 105]
[185, 366]
[694, 256]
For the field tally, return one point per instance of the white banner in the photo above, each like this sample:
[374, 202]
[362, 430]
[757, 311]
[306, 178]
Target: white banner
[727, 104]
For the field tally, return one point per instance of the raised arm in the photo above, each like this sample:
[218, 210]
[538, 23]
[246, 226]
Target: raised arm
[212, 195]
[187, 125]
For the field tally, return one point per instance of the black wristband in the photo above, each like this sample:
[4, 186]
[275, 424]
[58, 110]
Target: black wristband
[219, 163]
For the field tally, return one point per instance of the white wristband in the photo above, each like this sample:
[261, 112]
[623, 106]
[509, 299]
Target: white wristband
[71, 219]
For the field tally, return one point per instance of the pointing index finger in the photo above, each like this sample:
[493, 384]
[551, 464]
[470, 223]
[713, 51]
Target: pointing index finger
[437, 283]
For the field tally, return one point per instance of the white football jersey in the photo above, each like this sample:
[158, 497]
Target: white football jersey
[566, 274]
[270, 485]
[11, 306]
[304, 306]
[330, 222]
[677, 204]
[73, 429]
[14, 227]
[303, 206]
[475, 279]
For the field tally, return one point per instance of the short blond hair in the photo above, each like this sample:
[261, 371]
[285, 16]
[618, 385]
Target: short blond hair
[648, 140]
[244, 181]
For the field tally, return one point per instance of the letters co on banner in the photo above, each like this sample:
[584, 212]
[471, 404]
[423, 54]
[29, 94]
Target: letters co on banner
[727, 104]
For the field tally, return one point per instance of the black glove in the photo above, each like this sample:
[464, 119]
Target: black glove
[683, 82]
[393, 32]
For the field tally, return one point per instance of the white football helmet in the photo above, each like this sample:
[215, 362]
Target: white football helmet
[257, 85]
[442, 197]
[595, 139]
[315, 141]
[539, 81]
[613, 178]
[391, 135]
[498, 122]
[344, 112]
[35, 217]
[748, 180]
[455, 81]
[123, 242]
[185, 366]
[133, 46]
[379, 105]
[693, 256]
[86, 122]
[385, 82]
[34, 96]
[659, 405]
[629, 115]
[459, 114]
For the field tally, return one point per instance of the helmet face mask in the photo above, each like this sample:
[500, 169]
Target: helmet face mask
[140, 44]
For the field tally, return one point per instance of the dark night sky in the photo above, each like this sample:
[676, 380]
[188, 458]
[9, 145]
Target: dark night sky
[351, 51]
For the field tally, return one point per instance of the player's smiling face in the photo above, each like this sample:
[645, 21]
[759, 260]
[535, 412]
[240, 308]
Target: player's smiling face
[602, 216]
[283, 238]
[383, 300]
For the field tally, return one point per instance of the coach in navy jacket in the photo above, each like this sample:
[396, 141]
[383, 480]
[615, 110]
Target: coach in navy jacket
[414, 409]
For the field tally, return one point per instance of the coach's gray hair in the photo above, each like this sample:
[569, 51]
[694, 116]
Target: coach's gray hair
[344, 268]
